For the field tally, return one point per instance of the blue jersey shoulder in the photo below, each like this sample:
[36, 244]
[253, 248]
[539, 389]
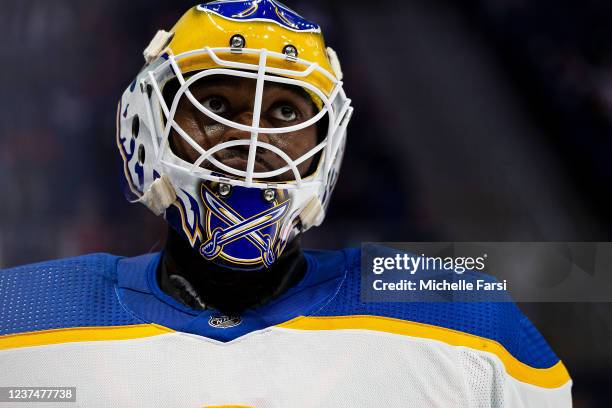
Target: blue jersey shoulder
[72, 292]
[499, 321]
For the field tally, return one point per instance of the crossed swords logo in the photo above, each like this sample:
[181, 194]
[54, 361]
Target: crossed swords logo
[239, 227]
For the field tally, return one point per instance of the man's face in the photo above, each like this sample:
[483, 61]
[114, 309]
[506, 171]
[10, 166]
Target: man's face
[233, 98]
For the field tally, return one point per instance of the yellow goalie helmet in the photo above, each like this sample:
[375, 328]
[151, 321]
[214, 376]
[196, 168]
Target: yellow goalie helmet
[235, 216]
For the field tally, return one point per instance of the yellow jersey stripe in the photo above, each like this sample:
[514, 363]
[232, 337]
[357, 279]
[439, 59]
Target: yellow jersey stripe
[79, 334]
[226, 406]
[552, 377]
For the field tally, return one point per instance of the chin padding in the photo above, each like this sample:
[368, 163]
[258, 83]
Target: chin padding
[313, 214]
[159, 196]
[157, 45]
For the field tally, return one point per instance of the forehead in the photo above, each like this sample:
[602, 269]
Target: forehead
[245, 85]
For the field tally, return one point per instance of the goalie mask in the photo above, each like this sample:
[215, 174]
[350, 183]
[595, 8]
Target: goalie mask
[238, 200]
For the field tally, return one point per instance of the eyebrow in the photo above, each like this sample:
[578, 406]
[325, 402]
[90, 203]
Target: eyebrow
[226, 82]
[296, 90]
[215, 80]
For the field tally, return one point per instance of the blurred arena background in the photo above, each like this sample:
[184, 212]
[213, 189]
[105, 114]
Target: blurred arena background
[481, 120]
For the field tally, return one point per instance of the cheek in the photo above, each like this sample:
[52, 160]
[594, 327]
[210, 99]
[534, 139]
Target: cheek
[296, 144]
[204, 135]
[214, 133]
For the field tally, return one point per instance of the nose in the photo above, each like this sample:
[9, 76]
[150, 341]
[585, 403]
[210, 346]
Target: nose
[245, 118]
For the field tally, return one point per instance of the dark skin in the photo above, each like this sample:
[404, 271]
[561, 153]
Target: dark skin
[227, 290]
[233, 99]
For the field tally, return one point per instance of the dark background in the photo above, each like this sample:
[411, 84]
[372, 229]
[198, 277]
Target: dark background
[482, 120]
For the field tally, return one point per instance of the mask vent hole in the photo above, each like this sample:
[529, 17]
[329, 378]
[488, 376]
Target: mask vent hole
[135, 126]
[141, 154]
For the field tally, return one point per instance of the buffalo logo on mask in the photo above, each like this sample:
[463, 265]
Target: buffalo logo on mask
[242, 226]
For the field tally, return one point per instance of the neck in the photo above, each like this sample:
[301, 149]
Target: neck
[200, 284]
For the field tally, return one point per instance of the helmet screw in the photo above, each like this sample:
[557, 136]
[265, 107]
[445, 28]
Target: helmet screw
[290, 51]
[237, 41]
[269, 195]
[225, 189]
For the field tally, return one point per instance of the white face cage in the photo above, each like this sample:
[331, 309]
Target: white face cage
[161, 120]
[159, 178]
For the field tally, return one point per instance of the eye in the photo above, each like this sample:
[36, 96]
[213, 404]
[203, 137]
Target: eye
[215, 104]
[284, 112]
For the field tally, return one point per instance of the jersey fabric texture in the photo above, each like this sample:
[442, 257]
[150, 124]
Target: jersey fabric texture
[100, 323]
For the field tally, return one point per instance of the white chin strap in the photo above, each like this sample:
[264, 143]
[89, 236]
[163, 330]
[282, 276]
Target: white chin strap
[313, 214]
[159, 196]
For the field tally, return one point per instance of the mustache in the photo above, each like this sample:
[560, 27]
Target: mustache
[242, 152]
